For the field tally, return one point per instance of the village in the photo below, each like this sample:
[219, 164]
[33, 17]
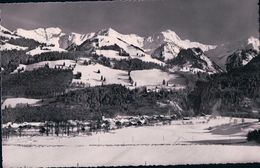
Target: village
[77, 127]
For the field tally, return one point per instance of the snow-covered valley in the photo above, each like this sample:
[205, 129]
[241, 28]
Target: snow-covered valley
[196, 141]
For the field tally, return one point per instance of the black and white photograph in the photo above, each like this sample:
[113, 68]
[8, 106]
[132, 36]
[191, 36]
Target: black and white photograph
[130, 83]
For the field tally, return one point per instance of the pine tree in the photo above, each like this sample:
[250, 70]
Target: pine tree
[130, 79]
[163, 82]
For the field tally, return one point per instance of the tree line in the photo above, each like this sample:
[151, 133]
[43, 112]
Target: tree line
[43, 82]
[94, 102]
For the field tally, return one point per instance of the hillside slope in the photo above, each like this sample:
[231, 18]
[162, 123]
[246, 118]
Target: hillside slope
[220, 54]
[193, 60]
[236, 92]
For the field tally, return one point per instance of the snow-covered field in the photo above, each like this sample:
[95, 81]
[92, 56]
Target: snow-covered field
[110, 54]
[65, 64]
[91, 74]
[191, 142]
[13, 102]
[8, 46]
[40, 50]
[151, 77]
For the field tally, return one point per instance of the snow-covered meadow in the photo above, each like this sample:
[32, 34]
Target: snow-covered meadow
[91, 74]
[13, 102]
[40, 50]
[7, 46]
[65, 64]
[195, 141]
[147, 77]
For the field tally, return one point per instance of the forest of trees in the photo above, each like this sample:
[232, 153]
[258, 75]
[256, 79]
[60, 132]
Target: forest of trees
[126, 64]
[53, 56]
[38, 83]
[24, 42]
[238, 90]
[236, 59]
[254, 136]
[115, 47]
[10, 59]
[112, 99]
[94, 102]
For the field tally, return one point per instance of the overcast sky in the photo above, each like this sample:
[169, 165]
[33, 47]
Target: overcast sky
[206, 21]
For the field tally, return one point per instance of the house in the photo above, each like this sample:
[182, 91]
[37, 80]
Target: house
[186, 118]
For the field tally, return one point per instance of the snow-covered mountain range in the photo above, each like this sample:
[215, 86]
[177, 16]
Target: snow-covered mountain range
[44, 35]
[54, 36]
[220, 54]
[164, 45]
[163, 48]
[73, 39]
[167, 44]
[6, 35]
[111, 44]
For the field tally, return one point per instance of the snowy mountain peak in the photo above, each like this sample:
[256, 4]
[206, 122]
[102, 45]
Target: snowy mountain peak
[253, 43]
[53, 30]
[108, 32]
[170, 36]
[193, 60]
[43, 32]
[78, 39]
[112, 35]
[49, 35]
[197, 51]
[6, 34]
[111, 44]
[3, 29]
[240, 58]
[111, 31]
[167, 44]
